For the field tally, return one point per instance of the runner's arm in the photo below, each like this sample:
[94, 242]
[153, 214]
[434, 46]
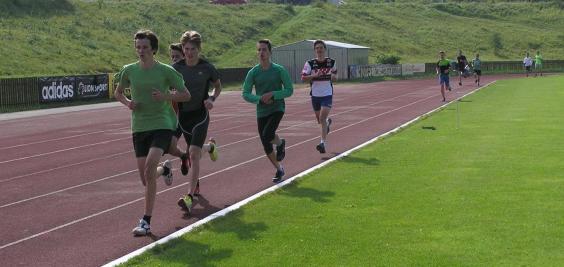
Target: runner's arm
[287, 88]
[248, 90]
[216, 89]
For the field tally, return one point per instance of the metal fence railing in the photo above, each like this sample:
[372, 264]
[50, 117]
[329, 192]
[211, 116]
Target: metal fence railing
[18, 94]
[376, 70]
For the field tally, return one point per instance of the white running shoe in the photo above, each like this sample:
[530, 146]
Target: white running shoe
[143, 228]
[167, 165]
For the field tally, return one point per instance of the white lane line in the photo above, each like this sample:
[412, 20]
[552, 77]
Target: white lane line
[64, 166]
[65, 189]
[273, 188]
[184, 184]
[226, 117]
[64, 150]
[63, 138]
[85, 134]
[229, 144]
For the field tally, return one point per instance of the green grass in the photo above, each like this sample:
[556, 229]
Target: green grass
[55, 37]
[487, 192]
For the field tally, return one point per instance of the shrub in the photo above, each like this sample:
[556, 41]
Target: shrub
[388, 59]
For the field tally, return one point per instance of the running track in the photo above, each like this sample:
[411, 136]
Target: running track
[70, 193]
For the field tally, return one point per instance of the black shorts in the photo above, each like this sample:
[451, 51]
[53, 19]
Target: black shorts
[267, 127]
[478, 72]
[143, 141]
[528, 68]
[194, 126]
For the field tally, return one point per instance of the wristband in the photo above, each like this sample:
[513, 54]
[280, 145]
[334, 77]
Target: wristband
[212, 98]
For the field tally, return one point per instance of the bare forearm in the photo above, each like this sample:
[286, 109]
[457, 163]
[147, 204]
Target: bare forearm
[182, 96]
[119, 96]
[217, 89]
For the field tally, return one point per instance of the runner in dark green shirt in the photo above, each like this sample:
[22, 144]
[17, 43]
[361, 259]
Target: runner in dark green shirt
[272, 84]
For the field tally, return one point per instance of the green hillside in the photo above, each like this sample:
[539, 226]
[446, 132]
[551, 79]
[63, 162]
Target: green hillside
[73, 36]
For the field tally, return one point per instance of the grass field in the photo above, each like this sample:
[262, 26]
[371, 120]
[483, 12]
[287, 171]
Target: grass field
[53, 37]
[485, 191]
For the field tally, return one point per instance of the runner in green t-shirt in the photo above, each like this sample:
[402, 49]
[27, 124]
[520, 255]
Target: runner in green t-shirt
[538, 64]
[443, 68]
[152, 119]
[272, 84]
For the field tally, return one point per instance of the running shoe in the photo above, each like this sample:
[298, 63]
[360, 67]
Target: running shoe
[185, 163]
[278, 175]
[167, 165]
[329, 121]
[321, 148]
[281, 150]
[213, 149]
[185, 203]
[143, 228]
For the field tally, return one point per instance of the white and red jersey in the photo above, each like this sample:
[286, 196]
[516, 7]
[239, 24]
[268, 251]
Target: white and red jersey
[322, 85]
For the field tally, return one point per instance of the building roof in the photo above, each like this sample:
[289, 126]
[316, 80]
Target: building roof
[328, 43]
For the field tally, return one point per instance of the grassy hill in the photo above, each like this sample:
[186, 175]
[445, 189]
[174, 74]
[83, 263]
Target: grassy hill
[74, 36]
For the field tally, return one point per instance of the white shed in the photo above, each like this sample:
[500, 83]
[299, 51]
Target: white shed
[293, 56]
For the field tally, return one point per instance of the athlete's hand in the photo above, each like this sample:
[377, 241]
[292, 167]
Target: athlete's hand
[266, 98]
[132, 105]
[208, 104]
[315, 74]
[157, 95]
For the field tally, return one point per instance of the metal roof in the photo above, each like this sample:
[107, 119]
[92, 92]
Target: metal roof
[328, 43]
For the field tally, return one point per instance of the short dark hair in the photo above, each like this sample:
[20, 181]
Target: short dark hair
[267, 42]
[319, 42]
[177, 47]
[147, 34]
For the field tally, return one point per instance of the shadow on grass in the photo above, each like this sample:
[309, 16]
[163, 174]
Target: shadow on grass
[182, 252]
[367, 161]
[428, 128]
[295, 190]
[236, 225]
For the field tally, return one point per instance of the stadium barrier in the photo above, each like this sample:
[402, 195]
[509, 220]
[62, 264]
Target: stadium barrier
[508, 66]
[18, 94]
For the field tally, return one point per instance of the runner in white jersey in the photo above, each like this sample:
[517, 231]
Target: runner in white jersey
[321, 72]
[527, 63]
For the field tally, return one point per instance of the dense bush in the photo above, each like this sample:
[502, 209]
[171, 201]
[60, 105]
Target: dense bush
[388, 59]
